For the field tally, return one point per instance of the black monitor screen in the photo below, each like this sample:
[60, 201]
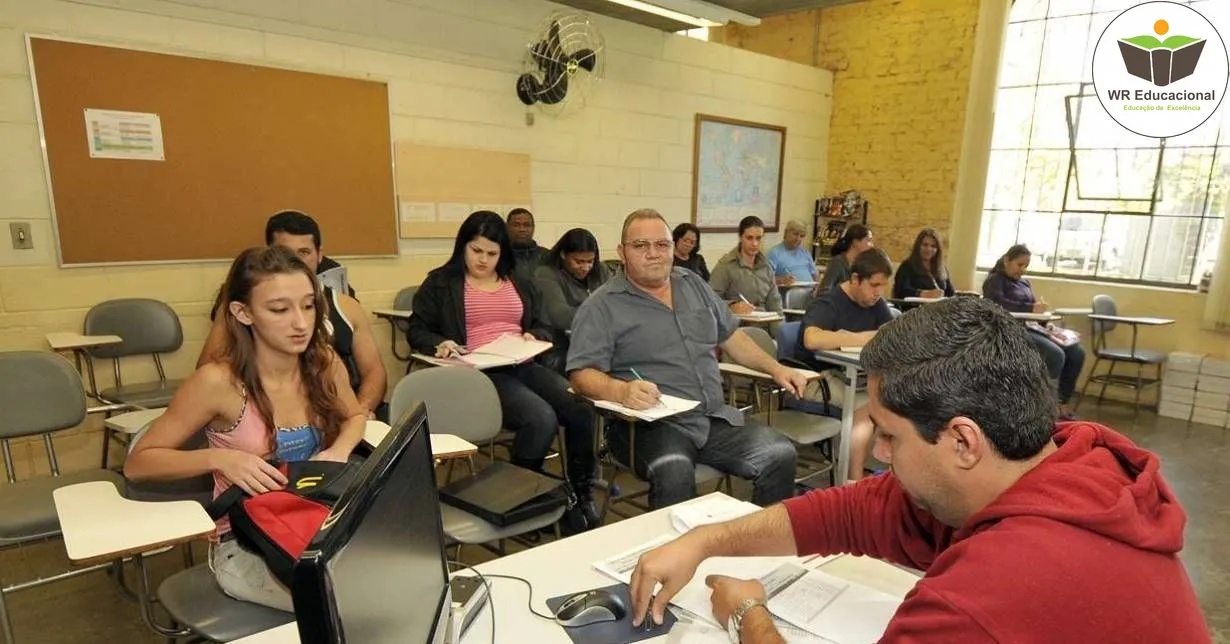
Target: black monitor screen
[376, 572]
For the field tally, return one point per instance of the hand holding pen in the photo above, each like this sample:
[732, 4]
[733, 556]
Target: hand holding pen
[742, 307]
[640, 394]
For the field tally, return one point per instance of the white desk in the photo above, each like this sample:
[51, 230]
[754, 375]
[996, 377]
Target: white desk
[1037, 317]
[77, 342]
[759, 317]
[565, 566]
[442, 445]
[852, 364]
[99, 525]
[1125, 319]
[393, 314]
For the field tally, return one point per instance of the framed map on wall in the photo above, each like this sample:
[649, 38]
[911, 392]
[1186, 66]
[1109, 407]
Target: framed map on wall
[736, 172]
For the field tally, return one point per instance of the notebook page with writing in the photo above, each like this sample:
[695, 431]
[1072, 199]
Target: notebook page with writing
[667, 406]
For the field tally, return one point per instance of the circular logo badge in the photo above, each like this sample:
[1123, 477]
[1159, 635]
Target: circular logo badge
[1160, 69]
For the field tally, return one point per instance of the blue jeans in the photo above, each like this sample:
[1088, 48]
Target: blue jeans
[535, 401]
[1062, 363]
[667, 459]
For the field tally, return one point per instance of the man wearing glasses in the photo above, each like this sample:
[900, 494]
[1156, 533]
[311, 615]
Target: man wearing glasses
[652, 330]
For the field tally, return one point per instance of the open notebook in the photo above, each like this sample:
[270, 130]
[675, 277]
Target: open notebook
[667, 406]
[501, 352]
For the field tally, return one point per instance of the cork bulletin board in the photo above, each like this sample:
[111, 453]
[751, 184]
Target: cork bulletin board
[439, 187]
[157, 157]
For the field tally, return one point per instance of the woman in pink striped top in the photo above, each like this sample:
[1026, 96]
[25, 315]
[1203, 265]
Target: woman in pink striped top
[473, 299]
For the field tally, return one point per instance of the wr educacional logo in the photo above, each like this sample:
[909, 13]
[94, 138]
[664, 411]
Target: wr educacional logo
[1184, 53]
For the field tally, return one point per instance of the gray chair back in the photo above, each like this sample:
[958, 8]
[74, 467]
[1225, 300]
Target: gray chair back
[404, 302]
[460, 401]
[198, 488]
[761, 338]
[40, 392]
[798, 297]
[1104, 305]
[146, 326]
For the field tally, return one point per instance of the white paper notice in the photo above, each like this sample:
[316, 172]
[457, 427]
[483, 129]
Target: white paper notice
[418, 212]
[453, 211]
[124, 135]
[493, 207]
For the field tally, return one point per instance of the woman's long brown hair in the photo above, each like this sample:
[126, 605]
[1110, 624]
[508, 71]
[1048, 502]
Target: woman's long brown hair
[249, 269]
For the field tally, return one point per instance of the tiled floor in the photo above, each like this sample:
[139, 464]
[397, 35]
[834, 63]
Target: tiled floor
[1196, 461]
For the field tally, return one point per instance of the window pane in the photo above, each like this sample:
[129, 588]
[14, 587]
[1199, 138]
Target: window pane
[1220, 186]
[1029, 9]
[1116, 174]
[1094, 128]
[1124, 240]
[1025, 44]
[1114, 5]
[1204, 135]
[1039, 232]
[1172, 249]
[1064, 45]
[1014, 110]
[998, 233]
[1207, 256]
[1069, 7]
[1076, 252]
[1050, 128]
[1097, 25]
[1185, 180]
[1045, 176]
[1005, 180]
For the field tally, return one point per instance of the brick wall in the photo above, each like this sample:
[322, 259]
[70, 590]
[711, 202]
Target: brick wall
[901, 75]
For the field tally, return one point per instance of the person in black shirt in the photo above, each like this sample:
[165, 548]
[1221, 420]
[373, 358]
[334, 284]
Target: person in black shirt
[923, 274]
[687, 250]
[526, 251]
[848, 315]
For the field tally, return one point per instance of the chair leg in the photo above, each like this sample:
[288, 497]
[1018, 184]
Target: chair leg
[5, 624]
[1109, 372]
[1140, 383]
[1088, 379]
[106, 445]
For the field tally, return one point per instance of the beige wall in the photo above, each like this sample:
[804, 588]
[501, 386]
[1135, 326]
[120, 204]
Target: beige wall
[451, 66]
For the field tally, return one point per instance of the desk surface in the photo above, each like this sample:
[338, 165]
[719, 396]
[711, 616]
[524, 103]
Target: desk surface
[442, 445]
[1124, 319]
[732, 369]
[400, 314]
[1073, 310]
[759, 317]
[566, 566]
[99, 525]
[798, 312]
[843, 358]
[1036, 317]
[71, 341]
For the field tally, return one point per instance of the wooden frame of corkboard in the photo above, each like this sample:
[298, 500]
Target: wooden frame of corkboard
[242, 141]
[769, 213]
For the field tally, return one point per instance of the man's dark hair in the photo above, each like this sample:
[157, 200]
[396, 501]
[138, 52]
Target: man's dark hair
[872, 261]
[519, 211]
[292, 222]
[965, 356]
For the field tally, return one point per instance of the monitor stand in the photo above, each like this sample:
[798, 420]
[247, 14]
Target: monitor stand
[469, 595]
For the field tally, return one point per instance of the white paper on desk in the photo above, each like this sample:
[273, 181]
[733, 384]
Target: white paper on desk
[854, 350]
[760, 315]
[505, 350]
[667, 406]
[707, 511]
[842, 611]
[620, 566]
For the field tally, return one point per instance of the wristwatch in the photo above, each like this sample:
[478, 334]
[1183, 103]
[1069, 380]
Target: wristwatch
[734, 625]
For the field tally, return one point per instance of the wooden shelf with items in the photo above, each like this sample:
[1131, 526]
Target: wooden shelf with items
[830, 219]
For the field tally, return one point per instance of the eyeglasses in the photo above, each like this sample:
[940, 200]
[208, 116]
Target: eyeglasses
[642, 245]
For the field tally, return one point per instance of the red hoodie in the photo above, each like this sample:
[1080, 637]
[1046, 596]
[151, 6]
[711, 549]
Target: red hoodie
[1083, 548]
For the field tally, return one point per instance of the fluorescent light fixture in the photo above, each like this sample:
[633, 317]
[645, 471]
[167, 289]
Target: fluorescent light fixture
[692, 12]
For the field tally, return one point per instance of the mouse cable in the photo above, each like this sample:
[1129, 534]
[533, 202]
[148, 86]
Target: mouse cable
[529, 601]
[487, 586]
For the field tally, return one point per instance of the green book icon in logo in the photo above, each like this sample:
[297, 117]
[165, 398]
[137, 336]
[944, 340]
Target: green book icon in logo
[1161, 62]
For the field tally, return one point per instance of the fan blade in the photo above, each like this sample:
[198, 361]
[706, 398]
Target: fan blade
[528, 89]
[553, 35]
[586, 58]
[555, 90]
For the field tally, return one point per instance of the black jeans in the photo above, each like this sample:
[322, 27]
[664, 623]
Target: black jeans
[667, 459]
[535, 401]
[1062, 363]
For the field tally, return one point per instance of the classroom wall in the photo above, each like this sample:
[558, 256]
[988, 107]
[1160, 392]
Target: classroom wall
[451, 67]
[901, 72]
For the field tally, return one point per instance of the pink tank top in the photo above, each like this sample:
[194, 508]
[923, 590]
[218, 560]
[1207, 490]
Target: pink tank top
[250, 433]
[490, 315]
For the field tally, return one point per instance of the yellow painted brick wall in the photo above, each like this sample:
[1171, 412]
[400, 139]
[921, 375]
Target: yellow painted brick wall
[901, 76]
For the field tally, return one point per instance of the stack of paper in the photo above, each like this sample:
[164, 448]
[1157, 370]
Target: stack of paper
[667, 406]
[502, 352]
[760, 315]
[709, 510]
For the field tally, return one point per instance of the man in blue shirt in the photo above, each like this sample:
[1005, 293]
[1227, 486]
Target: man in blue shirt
[791, 260]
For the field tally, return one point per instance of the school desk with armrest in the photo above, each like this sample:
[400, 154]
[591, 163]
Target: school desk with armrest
[563, 567]
[1103, 320]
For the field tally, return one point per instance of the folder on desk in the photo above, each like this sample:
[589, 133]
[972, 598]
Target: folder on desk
[505, 351]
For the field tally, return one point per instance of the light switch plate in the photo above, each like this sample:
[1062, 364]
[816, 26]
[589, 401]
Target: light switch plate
[20, 231]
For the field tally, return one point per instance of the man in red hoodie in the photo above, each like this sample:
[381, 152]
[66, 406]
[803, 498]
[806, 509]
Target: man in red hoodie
[1027, 531]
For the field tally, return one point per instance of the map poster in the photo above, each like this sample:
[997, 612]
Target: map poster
[112, 134]
[737, 172]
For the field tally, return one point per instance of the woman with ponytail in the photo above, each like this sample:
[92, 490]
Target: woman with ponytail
[278, 391]
[856, 239]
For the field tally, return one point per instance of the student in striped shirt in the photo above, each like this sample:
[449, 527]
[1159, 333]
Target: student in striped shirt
[475, 298]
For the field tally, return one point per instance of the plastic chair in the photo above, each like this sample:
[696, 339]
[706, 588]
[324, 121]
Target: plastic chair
[403, 302]
[40, 394]
[736, 383]
[463, 402]
[798, 297]
[1105, 305]
[148, 327]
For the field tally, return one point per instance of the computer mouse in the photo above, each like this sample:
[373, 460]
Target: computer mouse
[591, 607]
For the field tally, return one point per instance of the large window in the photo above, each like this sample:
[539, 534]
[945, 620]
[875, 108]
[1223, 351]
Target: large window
[1091, 199]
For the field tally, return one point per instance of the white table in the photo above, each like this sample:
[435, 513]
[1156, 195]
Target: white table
[1037, 317]
[80, 345]
[393, 314]
[566, 566]
[442, 445]
[759, 317]
[852, 364]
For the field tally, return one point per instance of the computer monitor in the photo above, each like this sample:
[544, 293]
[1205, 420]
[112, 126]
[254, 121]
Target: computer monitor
[376, 571]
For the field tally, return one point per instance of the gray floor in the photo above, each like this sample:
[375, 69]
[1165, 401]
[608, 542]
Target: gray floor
[1196, 461]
